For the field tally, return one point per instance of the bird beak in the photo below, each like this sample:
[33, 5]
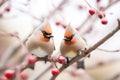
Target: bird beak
[67, 39]
[49, 36]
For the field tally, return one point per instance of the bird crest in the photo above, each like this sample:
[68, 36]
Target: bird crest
[46, 27]
[68, 31]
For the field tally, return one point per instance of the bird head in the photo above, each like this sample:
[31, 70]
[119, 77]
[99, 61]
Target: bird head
[69, 35]
[46, 31]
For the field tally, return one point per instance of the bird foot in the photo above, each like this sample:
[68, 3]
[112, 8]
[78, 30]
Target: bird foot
[46, 59]
[68, 61]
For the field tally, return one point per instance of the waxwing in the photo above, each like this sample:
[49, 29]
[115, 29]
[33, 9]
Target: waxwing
[72, 43]
[41, 43]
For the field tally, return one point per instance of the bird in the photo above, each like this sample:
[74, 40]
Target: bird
[72, 43]
[41, 43]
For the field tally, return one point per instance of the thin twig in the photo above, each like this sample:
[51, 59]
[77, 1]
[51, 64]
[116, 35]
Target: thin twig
[117, 50]
[88, 3]
[115, 77]
[87, 52]
[59, 7]
[2, 2]
[41, 72]
[111, 4]
[38, 59]
[9, 51]
[89, 17]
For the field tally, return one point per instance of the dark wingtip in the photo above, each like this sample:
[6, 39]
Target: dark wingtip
[80, 64]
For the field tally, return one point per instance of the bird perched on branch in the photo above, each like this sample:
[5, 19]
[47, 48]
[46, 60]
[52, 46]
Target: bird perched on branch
[41, 43]
[72, 44]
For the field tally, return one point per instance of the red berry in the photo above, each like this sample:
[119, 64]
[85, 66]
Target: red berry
[78, 28]
[63, 25]
[91, 11]
[8, 8]
[104, 21]
[80, 6]
[61, 60]
[23, 76]
[32, 59]
[112, 1]
[98, 0]
[101, 15]
[55, 71]
[57, 23]
[9, 73]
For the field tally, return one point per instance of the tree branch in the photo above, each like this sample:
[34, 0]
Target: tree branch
[57, 8]
[89, 17]
[87, 52]
[2, 2]
[41, 72]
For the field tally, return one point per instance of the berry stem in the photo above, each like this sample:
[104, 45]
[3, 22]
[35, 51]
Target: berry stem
[53, 63]
[88, 4]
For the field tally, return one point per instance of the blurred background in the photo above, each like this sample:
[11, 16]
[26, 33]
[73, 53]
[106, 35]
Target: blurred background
[23, 16]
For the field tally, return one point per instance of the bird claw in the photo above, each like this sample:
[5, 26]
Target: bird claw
[79, 52]
[46, 59]
[68, 61]
[83, 50]
[31, 66]
[88, 55]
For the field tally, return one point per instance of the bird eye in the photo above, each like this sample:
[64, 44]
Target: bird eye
[45, 33]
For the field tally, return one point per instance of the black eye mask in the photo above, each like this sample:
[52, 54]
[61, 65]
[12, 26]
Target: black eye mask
[46, 35]
[69, 38]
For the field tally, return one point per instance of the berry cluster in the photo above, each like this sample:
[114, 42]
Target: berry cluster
[101, 15]
[58, 23]
[10, 73]
[61, 60]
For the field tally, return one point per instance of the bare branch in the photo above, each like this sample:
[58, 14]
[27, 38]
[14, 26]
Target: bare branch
[57, 8]
[117, 50]
[2, 2]
[89, 17]
[111, 4]
[115, 77]
[87, 52]
[41, 72]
